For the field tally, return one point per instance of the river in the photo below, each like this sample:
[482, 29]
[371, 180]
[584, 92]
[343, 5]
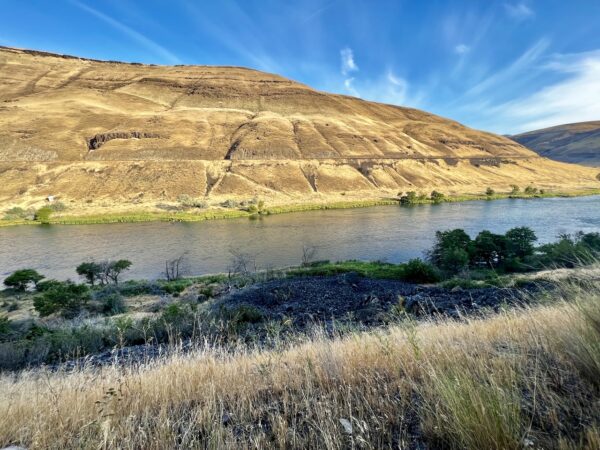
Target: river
[389, 233]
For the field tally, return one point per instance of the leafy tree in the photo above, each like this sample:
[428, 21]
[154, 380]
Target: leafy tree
[530, 190]
[66, 298]
[489, 248]
[454, 260]
[489, 192]
[113, 269]
[515, 189]
[91, 271]
[409, 199]
[42, 215]
[520, 241]
[448, 240]
[437, 197]
[21, 279]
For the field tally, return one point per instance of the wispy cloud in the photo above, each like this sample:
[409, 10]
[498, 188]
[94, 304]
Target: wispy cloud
[461, 49]
[575, 98]
[502, 77]
[348, 63]
[133, 34]
[518, 11]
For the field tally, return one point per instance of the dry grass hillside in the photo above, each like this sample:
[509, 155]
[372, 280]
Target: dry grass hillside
[576, 142]
[120, 136]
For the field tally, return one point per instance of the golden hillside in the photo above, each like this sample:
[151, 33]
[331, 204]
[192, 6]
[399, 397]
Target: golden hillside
[122, 136]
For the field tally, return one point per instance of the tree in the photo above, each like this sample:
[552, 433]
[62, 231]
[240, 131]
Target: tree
[42, 215]
[489, 248]
[530, 190]
[515, 189]
[520, 241]
[409, 199]
[65, 298]
[113, 269]
[489, 192]
[21, 279]
[454, 260]
[308, 254]
[437, 197]
[91, 271]
[448, 240]
[175, 267]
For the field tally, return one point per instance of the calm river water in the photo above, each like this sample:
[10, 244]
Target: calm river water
[389, 233]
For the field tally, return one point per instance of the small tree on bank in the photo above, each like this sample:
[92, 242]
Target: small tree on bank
[21, 279]
[91, 271]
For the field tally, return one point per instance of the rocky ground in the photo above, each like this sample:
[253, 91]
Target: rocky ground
[347, 299]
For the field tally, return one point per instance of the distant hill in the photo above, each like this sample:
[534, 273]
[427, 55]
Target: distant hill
[102, 136]
[575, 143]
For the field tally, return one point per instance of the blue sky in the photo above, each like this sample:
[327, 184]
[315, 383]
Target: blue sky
[504, 66]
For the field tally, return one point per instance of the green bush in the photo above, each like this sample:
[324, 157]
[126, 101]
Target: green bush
[490, 192]
[18, 213]
[176, 286]
[418, 271]
[110, 300]
[66, 298]
[45, 285]
[530, 190]
[515, 189]
[21, 279]
[42, 215]
[437, 197]
[244, 314]
[410, 198]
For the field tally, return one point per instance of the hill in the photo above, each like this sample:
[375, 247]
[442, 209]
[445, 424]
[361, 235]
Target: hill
[108, 136]
[575, 143]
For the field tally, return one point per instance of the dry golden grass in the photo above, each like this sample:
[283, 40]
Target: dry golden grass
[524, 378]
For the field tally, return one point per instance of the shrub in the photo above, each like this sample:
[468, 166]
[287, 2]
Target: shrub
[530, 190]
[176, 286]
[418, 271]
[230, 204]
[515, 189]
[18, 213]
[190, 202]
[45, 285]
[489, 192]
[244, 314]
[437, 197]
[174, 313]
[66, 298]
[57, 206]
[42, 215]
[409, 199]
[21, 279]
[110, 300]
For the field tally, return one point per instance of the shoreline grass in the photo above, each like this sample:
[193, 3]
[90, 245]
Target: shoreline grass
[217, 214]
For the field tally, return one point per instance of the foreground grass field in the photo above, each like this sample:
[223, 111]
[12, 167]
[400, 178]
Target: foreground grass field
[527, 378]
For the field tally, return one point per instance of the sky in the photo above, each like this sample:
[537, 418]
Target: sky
[502, 66]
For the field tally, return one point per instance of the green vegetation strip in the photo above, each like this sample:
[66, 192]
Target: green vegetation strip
[132, 217]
